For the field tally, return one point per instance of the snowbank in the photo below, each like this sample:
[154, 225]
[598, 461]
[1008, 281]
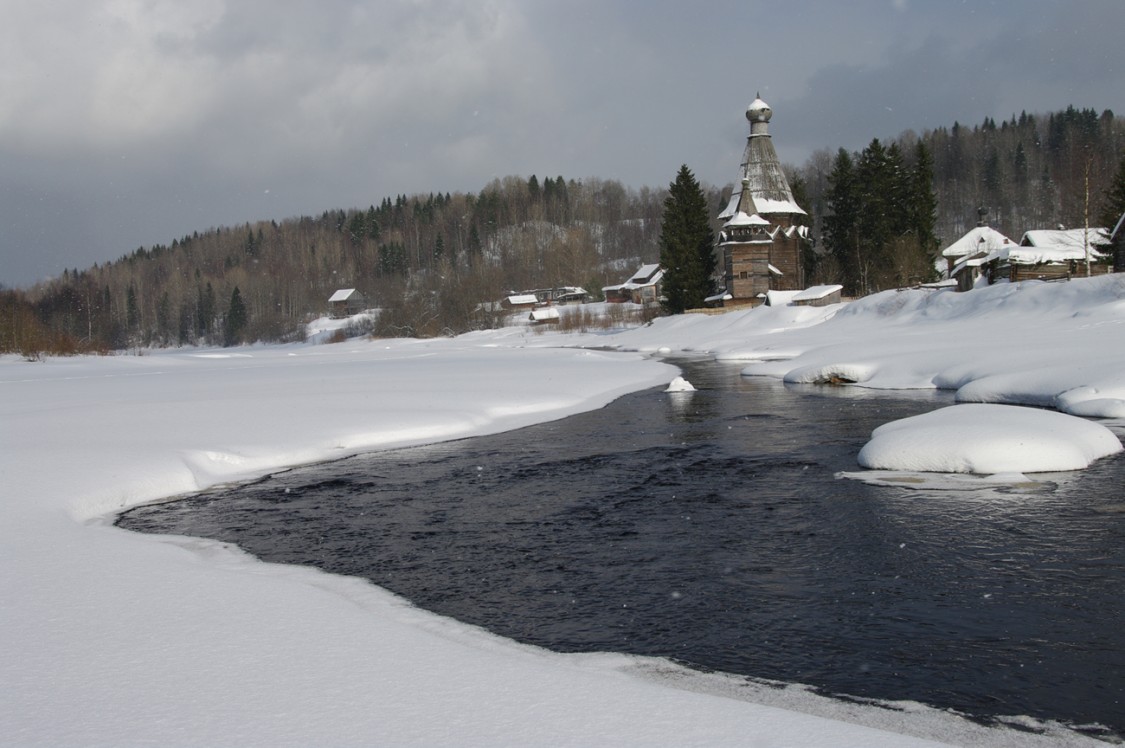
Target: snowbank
[1056, 345]
[988, 439]
[112, 638]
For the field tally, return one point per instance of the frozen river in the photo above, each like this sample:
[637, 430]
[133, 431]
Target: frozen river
[710, 527]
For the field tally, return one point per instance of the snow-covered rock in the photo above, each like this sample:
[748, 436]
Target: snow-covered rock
[987, 439]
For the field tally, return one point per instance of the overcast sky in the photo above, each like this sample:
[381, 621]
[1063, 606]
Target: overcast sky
[127, 123]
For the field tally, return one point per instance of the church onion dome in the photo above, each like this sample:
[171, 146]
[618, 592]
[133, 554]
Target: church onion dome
[742, 219]
[758, 111]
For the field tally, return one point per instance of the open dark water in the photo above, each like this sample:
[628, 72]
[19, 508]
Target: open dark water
[710, 528]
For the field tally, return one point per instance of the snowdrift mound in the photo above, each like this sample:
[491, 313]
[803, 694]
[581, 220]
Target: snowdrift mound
[988, 439]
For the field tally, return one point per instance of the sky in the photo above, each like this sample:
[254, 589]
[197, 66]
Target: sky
[129, 123]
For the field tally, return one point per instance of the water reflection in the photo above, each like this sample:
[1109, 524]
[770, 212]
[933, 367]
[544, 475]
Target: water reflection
[682, 408]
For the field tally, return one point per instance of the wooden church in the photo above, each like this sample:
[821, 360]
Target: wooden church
[760, 242]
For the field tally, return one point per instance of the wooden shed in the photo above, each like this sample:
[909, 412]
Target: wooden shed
[545, 316]
[519, 301]
[346, 302]
[818, 296]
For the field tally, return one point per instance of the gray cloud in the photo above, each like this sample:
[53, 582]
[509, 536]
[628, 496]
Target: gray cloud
[127, 123]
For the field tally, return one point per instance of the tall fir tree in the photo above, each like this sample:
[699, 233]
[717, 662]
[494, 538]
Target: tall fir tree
[876, 179]
[841, 225]
[132, 311]
[686, 245]
[922, 202]
[1113, 200]
[236, 319]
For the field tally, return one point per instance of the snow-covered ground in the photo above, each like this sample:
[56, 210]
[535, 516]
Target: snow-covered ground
[112, 638]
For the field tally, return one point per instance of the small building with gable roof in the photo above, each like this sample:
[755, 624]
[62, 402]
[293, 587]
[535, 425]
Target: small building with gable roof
[981, 241]
[643, 286]
[346, 302]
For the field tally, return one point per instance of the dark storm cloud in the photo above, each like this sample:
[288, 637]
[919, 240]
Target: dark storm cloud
[135, 122]
[1041, 59]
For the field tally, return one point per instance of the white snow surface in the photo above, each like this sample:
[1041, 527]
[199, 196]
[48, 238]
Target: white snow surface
[988, 439]
[114, 638]
[679, 384]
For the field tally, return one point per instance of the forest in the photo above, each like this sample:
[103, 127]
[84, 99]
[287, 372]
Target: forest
[429, 262]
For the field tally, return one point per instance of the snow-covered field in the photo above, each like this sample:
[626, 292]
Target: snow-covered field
[112, 638]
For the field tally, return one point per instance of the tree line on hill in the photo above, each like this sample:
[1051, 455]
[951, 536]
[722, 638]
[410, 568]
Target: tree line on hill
[1028, 172]
[429, 261]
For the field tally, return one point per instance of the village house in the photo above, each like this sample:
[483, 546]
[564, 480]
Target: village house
[967, 258]
[761, 237]
[1050, 255]
[985, 256]
[346, 302]
[643, 287]
[1056, 253]
[544, 316]
[561, 295]
[516, 302]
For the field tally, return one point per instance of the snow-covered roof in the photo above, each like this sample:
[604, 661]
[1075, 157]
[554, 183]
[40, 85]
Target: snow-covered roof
[780, 298]
[521, 299]
[762, 187]
[770, 205]
[979, 239]
[732, 206]
[546, 314]
[976, 260]
[1052, 246]
[1039, 255]
[342, 295]
[759, 204]
[1065, 238]
[742, 219]
[812, 293]
[774, 270]
[646, 274]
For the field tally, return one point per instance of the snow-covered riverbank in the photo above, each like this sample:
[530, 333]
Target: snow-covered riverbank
[112, 638]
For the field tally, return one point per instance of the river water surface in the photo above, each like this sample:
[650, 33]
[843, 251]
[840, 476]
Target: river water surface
[710, 528]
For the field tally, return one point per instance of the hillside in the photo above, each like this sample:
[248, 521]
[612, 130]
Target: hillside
[429, 260]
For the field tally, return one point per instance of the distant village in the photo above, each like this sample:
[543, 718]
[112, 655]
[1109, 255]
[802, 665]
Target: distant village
[760, 260]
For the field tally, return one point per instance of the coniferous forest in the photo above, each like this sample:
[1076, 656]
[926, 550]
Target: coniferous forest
[880, 217]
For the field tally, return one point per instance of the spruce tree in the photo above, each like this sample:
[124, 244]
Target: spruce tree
[876, 179]
[686, 245]
[132, 311]
[1113, 200]
[923, 201]
[236, 319]
[841, 226]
